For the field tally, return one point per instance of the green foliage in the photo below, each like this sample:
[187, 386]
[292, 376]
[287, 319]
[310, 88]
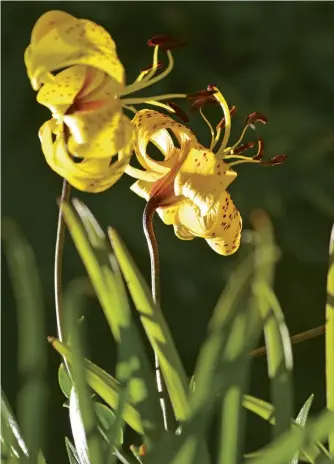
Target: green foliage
[219, 384]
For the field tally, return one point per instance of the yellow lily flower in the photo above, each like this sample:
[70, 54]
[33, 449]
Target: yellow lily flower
[85, 97]
[189, 183]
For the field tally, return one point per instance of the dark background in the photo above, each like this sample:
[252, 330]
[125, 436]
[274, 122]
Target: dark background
[276, 58]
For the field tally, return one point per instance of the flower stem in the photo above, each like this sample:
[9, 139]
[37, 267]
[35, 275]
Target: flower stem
[312, 333]
[60, 238]
[167, 411]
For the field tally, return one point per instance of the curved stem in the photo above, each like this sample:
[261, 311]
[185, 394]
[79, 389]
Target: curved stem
[60, 237]
[152, 244]
[312, 333]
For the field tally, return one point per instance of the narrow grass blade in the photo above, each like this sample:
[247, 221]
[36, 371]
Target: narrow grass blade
[31, 336]
[259, 407]
[71, 452]
[215, 373]
[82, 415]
[156, 329]
[283, 448]
[279, 352]
[330, 339]
[11, 434]
[133, 366]
[107, 419]
[301, 421]
[103, 384]
[117, 425]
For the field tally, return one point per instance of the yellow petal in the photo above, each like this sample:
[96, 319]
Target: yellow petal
[90, 175]
[183, 233]
[142, 189]
[152, 127]
[70, 41]
[226, 236]
[99, 133]
[60, 94]
[189, 217]
[47, 22]
[203, 178]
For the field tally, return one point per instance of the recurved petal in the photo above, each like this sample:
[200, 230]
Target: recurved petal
[70, 41]
[60, 94]
[203, 178]
[89, 175]
[100, 133]
[152, 126]
[225, 239]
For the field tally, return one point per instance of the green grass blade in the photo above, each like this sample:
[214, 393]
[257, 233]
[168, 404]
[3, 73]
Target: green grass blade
[82, 415]
[64, 380]
[32, 344]
[330, 339]
[116, 428]
[156, 329]
[11, 434]
[71, 452]
[259, 407]
[279, 352]
[133, 366]
[103, 384]
[283, 448]
[301, 421]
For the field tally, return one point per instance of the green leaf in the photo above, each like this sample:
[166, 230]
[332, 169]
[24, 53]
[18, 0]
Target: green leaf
[279, 352]
[31, 335]
[82, 415]
[11, 434]
[330, 339]
[133, 366]
[103, 384]
[64, 380]
[71, 452]
[107, 419]
[116, 429]
[156, 329]
[283, 448]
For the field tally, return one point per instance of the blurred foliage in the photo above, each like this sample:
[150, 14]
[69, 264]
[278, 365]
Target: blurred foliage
[277, 58]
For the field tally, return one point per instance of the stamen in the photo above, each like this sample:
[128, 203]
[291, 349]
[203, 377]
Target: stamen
[227, 116]
[130, 108]
[260, 150]
[201, 98]
[139, 85]
[151, 66]
[157, 98]
[256, 117]
[210, 128]
[179, 112]
[221, 125]
[146, 76]
[165, 42]
[278, 159]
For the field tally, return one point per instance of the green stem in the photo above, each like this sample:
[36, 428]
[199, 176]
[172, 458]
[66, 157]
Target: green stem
[60, 238]
[167, 411]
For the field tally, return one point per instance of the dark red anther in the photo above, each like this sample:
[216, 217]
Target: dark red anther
[256, 117]
[179, 112]
[200, 94]
[221, 123]
[202, 98]
[165, 42]
[278, 159]
[243, 147]
[260, 150]
[212, 87]
[150, 66]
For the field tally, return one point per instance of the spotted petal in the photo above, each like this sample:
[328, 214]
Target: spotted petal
[202, 178]
[59, 40]
[152, 126]
[89, 175]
